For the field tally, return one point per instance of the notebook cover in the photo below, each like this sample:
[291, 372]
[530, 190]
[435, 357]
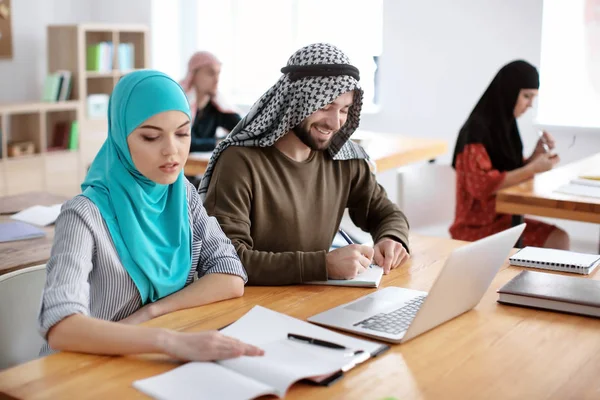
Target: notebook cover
[17, 230]
[542, 285]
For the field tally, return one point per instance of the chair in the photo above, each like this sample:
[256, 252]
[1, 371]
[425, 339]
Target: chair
[20, 299]
[427, 195]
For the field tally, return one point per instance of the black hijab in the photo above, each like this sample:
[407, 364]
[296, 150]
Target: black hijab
[492, 121]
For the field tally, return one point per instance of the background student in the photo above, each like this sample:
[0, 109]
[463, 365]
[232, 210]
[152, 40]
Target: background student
[489, 156]
[208, 110]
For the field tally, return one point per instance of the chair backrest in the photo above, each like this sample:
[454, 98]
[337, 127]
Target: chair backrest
[428, 198]
[20, 299]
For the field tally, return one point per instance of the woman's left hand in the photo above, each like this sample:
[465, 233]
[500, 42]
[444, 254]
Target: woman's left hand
[547, 139]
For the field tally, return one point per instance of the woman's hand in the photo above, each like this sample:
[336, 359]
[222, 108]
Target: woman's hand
[546, 141]
[543, 162]
[205, 346]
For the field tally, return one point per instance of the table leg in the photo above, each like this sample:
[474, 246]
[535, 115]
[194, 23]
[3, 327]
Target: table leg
[518, 220]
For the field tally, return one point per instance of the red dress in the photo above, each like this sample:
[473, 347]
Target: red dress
[476, 217]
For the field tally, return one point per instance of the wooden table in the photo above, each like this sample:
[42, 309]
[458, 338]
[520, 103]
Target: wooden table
[26, 253]
[387, 150]
[19, 202]
[537, 196]
[493, 351]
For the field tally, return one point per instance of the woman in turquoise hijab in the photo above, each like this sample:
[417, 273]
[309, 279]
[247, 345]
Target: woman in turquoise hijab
[129, 247]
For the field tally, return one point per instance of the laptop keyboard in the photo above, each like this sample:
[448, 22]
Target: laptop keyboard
[395, 321]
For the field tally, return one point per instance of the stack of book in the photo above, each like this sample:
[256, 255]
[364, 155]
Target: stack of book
[64, 136]
[57, 86]
[100, 57]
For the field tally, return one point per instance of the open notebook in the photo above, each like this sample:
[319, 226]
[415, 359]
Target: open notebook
[370, 278]
[284, 363]
[555, 260]
[17, 230]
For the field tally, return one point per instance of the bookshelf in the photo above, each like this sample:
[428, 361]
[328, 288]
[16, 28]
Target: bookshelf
[53, 165]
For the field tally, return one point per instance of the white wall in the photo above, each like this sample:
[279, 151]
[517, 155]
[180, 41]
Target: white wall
[23, 75]
[438, 58]
[121, 11]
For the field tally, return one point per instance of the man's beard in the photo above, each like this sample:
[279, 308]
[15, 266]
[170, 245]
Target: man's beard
[304, 135]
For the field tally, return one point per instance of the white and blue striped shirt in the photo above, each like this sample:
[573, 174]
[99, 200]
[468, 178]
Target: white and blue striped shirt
[85, 275]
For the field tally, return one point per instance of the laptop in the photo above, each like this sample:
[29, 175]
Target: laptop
[396, 315]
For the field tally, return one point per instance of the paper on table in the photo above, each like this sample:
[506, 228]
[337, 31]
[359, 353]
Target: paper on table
[39, 215]
[286, 362]
[200, 381]
[370, 278]
[580, 190]
[251, 328]
[586, 182]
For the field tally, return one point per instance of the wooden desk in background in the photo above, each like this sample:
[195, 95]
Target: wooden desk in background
[537, 196]
[26, 253]
[387, 150]
[493, 351]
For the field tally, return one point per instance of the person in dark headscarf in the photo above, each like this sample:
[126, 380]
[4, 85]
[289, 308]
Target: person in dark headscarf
[280, 181]
[489, 156]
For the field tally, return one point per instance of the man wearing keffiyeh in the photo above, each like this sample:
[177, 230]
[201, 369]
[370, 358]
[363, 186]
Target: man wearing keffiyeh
[280, 182]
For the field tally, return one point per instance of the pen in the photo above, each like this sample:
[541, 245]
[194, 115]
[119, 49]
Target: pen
[345, 236]
[319, 342]
[544, 144]
[347, 239]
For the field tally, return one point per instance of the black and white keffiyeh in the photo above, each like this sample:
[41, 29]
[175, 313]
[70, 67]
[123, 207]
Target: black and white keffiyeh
[293, 98]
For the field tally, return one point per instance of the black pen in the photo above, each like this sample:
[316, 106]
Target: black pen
[345, 236]
[319, 342]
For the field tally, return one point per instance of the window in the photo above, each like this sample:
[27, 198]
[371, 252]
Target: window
[255, 38]
[570, 65]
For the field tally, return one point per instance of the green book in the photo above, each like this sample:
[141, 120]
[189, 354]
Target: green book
[74, 136]
[51, 87]
[93, 57]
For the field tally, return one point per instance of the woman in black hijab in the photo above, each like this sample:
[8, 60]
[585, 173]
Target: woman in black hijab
[489, 156]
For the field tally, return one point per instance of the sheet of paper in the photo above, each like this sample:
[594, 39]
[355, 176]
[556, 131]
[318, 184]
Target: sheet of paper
[580, 190]
[370, 278]
[261, 326]
[201, 381]
[17, 230]
[39, 215]
[586, 182]
[286, 362]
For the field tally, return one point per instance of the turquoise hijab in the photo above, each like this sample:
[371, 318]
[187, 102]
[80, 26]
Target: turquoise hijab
[148, 222]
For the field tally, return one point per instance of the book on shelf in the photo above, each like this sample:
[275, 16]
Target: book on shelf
[74, 136]
[126, 56]
[60, 136]
[57, 86]
[99, 57]
[64, 136]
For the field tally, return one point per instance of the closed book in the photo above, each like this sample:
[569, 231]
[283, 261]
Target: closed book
[553, 292]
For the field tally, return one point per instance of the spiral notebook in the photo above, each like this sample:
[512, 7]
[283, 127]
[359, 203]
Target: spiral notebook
[555, 260]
